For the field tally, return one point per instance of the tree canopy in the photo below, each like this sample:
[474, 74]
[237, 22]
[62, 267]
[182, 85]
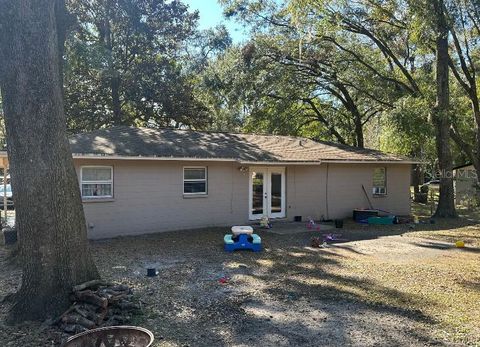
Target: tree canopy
[124, 65]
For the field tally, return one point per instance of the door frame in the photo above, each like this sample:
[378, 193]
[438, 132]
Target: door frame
[267, 188]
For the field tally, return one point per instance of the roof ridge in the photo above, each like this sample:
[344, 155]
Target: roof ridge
[168, 141]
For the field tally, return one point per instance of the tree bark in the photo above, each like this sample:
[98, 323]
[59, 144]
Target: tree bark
[359, 130]
[49, 213]
[469, 85]
[417, 181]
[114, 76]
[441, 117]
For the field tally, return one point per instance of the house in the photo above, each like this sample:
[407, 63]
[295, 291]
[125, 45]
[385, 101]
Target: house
[142, 180]
[465, 183]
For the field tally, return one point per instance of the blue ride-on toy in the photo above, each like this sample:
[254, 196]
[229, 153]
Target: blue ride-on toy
[242, 238]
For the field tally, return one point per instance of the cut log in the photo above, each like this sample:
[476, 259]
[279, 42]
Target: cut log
[95, 305]
[126, 305]
[91, 298]
[115, 299]
[73, 328]
[70, 309]
[77, 319]
[120, 288]
[89, 284]
[101, 316]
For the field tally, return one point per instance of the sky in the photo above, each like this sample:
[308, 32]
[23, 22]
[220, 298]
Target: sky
[211, 14]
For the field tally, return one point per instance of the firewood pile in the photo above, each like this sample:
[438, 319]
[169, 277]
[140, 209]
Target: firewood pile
[96, 304]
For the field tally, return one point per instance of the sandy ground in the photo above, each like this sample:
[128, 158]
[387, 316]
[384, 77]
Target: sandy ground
[365, 292]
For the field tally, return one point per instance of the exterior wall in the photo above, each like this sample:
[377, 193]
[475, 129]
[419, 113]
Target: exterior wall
[335, 190]
[148, 195]
[306, 188]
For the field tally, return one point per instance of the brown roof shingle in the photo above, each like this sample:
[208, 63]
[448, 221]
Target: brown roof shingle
[185, 144]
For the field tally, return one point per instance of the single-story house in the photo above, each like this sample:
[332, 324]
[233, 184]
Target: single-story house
[465, 182]
[143, 180]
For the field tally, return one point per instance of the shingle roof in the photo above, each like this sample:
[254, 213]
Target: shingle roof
[185, 144]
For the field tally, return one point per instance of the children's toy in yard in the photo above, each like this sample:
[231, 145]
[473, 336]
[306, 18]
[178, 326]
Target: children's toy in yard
[265, 223]
[224, 280]
[242, 237]
[333, 238]
[311, 225]
[316, 242]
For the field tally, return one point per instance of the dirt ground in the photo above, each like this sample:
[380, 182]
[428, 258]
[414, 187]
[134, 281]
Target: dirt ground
[386, 286]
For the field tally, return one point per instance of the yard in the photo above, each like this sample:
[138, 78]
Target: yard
[389, 285]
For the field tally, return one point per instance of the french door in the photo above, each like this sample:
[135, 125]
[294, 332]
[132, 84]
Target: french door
[267, 192]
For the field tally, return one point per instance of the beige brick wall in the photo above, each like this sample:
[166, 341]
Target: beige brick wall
[148, 195]
[334, 190]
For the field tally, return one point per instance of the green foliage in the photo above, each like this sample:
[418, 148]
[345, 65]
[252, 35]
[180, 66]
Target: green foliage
[377, 55]
[409, 116]
[124, 65]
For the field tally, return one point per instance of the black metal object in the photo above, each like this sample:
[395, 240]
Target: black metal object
[121, 336]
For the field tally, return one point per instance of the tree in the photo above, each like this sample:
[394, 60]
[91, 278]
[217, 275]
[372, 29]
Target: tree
[125, 65]
[368, 55]
[332, 92]
[49, 212]
[464, 19]
[441, 114]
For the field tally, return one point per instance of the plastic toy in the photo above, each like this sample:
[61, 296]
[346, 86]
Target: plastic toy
[242, 238]
[333, 237]
[311, 225]
[459, 244]
[265, 223]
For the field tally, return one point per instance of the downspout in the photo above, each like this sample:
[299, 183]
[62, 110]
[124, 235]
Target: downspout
[326, 193]
[5, 201]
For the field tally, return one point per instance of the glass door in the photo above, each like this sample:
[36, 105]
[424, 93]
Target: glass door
[276, 192]
[258, 194]
[267, 193]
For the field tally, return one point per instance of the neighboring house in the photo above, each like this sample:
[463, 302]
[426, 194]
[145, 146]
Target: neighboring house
[141, 180]
[465, 181]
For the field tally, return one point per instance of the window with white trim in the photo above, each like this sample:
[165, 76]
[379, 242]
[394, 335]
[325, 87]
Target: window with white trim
[380, 181]
[195, 180]
[96, 182]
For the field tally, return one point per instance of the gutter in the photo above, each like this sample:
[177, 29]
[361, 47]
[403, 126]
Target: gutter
[3, 154]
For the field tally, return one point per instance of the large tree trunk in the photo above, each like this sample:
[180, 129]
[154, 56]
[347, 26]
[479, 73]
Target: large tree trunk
[359, 130]
[49, 212]
[417, 180]
[106, 39]
[441, 118]
[116, 103]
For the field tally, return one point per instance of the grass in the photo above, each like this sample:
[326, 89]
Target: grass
[431, 276]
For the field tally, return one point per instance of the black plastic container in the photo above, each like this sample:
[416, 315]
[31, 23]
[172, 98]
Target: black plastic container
[360, 215]
[10, 236]
[151, 272]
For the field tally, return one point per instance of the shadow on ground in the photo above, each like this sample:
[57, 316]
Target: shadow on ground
[287, 295]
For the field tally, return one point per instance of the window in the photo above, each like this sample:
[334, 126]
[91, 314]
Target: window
[195, 180]
[380, 181]
[96, 182]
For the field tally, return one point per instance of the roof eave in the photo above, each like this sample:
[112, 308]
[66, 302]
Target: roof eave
[243, 162]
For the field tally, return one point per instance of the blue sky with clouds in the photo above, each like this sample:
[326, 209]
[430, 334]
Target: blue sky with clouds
[211, 14]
